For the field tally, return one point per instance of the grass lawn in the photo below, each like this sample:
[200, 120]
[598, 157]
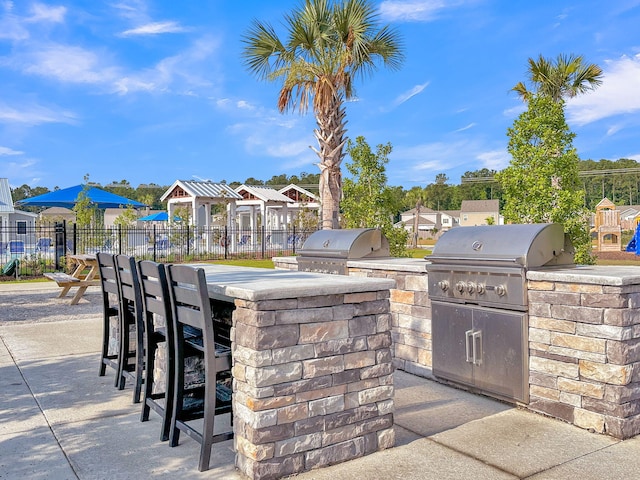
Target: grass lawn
[246, 262]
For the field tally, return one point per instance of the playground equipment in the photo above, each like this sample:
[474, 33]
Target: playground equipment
[634, 244]
[607, 227]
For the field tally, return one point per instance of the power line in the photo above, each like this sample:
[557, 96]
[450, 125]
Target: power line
[582, 173]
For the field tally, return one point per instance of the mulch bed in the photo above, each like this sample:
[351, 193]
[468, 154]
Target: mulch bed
[624, 256]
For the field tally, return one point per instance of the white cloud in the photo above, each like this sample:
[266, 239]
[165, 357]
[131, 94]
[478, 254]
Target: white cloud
[41, 12]
[9, 151]
[494, 159]
[416, 10]
[466, 127]
[619, 93]
[65, 63]
[421, 162]
[154, 28]
[513, 112]
[403, 97]
[34, 115]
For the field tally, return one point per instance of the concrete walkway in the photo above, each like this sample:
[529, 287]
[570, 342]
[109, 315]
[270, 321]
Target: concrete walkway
[59, 420]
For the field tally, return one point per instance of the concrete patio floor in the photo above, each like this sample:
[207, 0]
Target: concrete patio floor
[59, 420]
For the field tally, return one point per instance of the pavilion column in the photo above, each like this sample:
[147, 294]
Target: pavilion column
[207, 225]
[285, 216]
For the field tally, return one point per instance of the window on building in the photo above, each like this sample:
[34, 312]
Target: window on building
[445, 220]
[465, 218]
[21, 227]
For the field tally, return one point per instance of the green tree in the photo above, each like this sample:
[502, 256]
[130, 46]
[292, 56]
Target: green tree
[563, 78]
[439, 194]
[127, 218]
[368, 202]
[328, 45]
[84, 208]
[541, 183]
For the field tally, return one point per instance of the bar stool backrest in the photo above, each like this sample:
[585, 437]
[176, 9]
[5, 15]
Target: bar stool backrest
[108, 276]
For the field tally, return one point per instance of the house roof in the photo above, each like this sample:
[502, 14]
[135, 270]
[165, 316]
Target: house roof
[292, 188]
[197, 189]
[6, 202]
[422, 210]
[452, 213]
[265, 194]
[480, 206]
[421, 221]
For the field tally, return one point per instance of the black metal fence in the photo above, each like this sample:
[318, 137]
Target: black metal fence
[44, 247]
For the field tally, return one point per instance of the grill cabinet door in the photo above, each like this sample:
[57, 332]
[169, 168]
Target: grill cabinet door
[503, 368]
[484, 348]
[450, 323]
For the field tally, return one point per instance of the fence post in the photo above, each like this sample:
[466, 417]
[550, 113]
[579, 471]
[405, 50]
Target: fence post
[155, 240]
[188, 240]
[262, 241]
[294, 239]
[75, 239]
[225, 242]
[119, 239]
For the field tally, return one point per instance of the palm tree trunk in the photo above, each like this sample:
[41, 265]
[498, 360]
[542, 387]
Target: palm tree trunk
[331, 140]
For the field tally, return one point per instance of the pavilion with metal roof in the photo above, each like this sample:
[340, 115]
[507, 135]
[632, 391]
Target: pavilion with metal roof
[264, 202]
[198, 197]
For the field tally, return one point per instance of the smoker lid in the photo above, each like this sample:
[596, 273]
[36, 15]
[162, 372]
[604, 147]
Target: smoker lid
[526, 245]
[346, 243]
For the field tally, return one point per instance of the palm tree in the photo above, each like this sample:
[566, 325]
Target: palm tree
[567, 77]
[328, 45]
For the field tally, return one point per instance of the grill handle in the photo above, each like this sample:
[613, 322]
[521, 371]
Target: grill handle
[477, 260]
[473, 346]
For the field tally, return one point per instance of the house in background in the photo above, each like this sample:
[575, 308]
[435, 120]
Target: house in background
[15, 225]
[476, 212]
[57, 214]
[431, 223]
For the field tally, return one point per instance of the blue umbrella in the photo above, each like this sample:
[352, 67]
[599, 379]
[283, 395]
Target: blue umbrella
[67, 197]
[158, 217]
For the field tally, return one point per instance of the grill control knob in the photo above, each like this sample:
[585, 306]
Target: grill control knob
[471, 287]
[480, 288]
[444, 285]
[460, 286]
[501, 290]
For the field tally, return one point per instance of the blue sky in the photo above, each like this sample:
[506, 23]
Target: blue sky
[155, 90]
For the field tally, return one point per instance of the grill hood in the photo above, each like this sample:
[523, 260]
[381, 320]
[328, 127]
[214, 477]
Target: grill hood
[346, 244]
[524, 245]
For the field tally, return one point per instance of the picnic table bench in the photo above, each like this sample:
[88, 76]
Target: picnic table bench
[77, 278]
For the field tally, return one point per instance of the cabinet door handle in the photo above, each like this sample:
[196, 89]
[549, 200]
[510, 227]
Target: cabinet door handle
[468, 347]
[477, 347]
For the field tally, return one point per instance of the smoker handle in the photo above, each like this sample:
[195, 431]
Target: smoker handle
[467, 348]
[477, 347]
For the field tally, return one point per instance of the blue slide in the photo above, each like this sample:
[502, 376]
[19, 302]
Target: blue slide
[634, 244]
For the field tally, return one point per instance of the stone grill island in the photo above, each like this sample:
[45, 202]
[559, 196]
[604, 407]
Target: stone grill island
[312, 370]
[583, 338]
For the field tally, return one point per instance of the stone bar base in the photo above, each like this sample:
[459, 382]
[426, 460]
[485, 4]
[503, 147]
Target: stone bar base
[584, 340]
[313, 382]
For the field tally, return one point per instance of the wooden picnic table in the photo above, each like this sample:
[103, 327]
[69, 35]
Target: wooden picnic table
[81, 264]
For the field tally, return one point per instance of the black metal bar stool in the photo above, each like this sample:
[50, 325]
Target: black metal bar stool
[158, 329]
[132, 361]
[194, 334]
[110, 308]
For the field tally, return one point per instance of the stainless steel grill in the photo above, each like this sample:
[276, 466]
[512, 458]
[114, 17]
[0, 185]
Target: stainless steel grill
[327, 251]
[478, 292]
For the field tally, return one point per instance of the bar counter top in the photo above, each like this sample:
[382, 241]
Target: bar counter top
[613, 275]
[255, 284]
